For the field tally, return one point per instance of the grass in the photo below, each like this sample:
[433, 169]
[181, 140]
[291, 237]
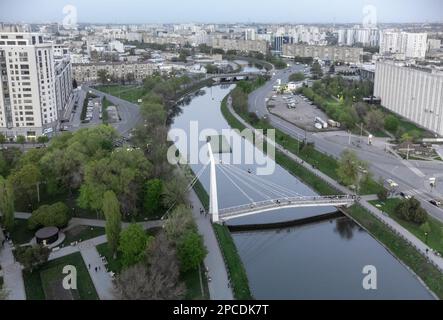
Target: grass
[193, 287]
[130, 93]
[237, 272]
[83, 233]
[435, 236]
[400, 248]
[21, 234]
[113, 265]
[40, 280]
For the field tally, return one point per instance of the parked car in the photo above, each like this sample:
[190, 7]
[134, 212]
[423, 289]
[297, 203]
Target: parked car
[435, 202]
[405, 195]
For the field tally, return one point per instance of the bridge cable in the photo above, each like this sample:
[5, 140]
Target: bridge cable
[275, 188]
[246, 184]
[240, 189]
[283, 190]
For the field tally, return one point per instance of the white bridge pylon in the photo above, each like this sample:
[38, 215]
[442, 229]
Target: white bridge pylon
[284, 200]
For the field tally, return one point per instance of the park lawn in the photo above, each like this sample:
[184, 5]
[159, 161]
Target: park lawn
[130, 93]
[45, 283]
[21, 234]
[400, 248]
[193, 286]
[435, 237]
[236, 270]
[82, 233]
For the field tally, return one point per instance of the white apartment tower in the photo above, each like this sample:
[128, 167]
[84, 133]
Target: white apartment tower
[412, 45]
[29, 88]
[414, 93]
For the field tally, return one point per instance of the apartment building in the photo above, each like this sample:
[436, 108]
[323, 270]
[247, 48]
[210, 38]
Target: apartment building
[333, 53]
[240, 45]
[35, 86]
[412, 92]
[120, 70]
[412, 45]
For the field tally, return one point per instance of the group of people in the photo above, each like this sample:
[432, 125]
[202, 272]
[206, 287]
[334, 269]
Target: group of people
[202, 211]
[97, 268]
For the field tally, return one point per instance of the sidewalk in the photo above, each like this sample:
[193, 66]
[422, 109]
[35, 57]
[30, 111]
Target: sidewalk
[102, 280]
[218, 286]
[12, 274]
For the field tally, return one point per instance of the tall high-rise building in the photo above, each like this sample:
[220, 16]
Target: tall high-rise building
[414, 93]
[412, 45]
[35, 86]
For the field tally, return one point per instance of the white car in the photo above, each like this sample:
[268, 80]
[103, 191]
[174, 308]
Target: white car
[391, 183]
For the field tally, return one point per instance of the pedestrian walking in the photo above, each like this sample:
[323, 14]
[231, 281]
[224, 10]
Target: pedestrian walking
[89, 266]
[95, 269]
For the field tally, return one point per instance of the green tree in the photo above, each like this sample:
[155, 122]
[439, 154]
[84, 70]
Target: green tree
[299, 76]
[2, 139]
[316, 70]
[350, 168]
[21, 140]
[7, 203]
[175, 191]
[133, 244]
[111, 211]
[191, 251]
[55, 215]
[375, 120]
[179, 222]
[32, 257]
[411, 210]
[153, 197]
[25, 181]
[42, 139]
[103, 76]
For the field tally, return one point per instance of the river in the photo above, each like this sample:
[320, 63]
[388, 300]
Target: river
[318, 261]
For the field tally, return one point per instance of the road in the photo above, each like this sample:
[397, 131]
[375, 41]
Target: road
[412, 176]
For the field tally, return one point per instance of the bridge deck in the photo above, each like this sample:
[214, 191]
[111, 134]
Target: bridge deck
[293, 202]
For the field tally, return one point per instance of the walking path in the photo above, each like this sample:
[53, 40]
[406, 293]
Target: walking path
[219, 288]
[100, 277]
[392, 224]
[12, 274]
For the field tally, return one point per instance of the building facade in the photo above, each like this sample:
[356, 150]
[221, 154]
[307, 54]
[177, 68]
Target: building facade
[240, 45]
[333, 53]
[416, 94]
[412, 45]
[30, 76]
[120, 70]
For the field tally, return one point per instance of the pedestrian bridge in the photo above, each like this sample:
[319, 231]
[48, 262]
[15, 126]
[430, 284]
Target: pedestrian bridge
[291, 202]
[277, 196]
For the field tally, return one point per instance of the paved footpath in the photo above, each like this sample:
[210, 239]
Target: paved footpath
[102, 280]
[12, 274]
[214, 262]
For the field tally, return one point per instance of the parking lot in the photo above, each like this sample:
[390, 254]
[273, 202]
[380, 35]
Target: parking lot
[298, 110]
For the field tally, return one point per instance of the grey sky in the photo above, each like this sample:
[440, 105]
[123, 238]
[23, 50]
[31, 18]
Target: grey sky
[293, 11]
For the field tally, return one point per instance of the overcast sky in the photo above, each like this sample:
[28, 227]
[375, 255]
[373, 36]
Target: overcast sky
[158, 11]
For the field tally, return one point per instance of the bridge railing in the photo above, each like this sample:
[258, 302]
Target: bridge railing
[287, 201]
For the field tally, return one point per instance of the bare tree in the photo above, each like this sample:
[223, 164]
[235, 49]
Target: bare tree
[155, 279]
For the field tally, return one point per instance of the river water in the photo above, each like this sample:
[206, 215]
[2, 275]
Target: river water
[317, 261]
